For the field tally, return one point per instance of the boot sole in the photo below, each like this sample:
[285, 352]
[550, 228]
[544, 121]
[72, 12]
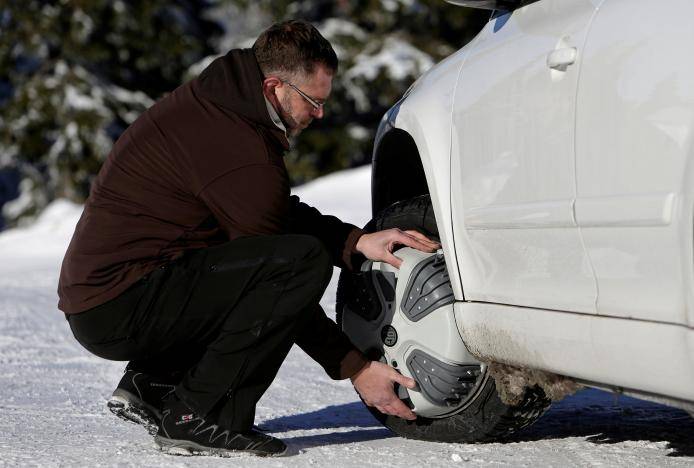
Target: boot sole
[130, 408]
[189, 448]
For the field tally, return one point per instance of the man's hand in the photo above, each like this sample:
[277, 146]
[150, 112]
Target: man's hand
[374, 382]
[379, 246]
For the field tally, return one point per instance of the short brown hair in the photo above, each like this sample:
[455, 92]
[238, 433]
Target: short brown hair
[293, 47]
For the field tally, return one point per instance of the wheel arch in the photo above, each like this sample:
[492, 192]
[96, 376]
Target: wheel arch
[398, 173]
[403, 168]
[412, 151]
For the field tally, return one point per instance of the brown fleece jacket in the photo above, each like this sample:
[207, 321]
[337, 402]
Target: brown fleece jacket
[201, 167]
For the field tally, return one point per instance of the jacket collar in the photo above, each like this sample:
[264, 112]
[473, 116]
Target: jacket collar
[233, 82]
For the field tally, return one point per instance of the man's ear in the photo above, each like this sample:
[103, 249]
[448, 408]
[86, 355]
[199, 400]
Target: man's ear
[270, 84]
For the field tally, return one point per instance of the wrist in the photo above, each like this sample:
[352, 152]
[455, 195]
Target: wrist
[355, 376]
[359, 245]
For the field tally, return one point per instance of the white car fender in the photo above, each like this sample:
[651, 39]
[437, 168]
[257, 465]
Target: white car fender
[425, 115]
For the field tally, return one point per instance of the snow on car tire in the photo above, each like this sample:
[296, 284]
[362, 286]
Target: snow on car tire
[485, 417]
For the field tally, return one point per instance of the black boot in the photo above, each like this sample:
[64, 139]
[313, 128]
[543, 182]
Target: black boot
[182, 432]
[138, 398]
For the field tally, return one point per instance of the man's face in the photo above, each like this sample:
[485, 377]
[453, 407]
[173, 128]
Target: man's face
[294, 109]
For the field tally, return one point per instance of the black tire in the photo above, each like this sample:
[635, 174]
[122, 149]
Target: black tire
[486, 418]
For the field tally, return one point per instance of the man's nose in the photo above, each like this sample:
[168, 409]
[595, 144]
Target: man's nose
[318, 113]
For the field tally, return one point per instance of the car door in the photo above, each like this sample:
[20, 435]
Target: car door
[634, 142]
[513, 160]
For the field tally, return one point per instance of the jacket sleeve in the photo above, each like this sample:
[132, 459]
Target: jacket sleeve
[339, 238]
[326, 344]
[323, 340]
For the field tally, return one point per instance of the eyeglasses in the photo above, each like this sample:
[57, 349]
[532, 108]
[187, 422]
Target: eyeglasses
[316, 105]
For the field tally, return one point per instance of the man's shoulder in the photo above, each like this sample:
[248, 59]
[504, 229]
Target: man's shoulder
[202, 130]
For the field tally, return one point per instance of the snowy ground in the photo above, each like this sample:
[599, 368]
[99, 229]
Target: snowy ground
[53, 393]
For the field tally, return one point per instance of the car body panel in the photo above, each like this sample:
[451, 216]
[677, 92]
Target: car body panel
[634, 135]
[631, 354]
[513, 165]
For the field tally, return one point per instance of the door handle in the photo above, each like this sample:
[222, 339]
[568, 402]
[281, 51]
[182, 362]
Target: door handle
[560, 59]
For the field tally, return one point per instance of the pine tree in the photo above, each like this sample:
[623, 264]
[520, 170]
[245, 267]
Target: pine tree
[74, 75]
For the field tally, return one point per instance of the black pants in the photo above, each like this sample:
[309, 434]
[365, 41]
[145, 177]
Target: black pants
[223, 317]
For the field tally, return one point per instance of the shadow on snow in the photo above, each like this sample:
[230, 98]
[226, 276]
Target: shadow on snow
[349, 415]
[604, 418]
[599, 417]
[331, 417]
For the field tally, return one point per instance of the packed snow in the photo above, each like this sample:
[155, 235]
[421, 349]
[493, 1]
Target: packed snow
[53, 392]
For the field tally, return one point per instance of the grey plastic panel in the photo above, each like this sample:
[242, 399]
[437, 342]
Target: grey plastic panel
[429, 288]
[440, 383]
[371, 293]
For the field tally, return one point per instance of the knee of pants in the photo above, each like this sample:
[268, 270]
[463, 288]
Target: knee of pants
[312, 258]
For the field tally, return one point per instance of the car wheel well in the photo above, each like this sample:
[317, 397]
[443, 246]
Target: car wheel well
[398, 173]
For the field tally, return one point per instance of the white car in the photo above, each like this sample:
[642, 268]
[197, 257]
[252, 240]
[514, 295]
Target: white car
[553, 157]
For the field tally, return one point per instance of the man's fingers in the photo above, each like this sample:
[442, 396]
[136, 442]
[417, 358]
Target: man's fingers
[423, 238]
[411, 239]
[399, 409]
[420, 236]
[404, 381]
[415, 243]
[392, 260]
